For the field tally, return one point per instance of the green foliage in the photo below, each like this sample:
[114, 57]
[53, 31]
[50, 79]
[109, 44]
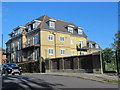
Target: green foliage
[108, 55]
[109, 59]
[116, 44]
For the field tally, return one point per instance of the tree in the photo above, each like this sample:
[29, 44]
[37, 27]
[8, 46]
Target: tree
[108, 55]
[116, 44]
[116, 47]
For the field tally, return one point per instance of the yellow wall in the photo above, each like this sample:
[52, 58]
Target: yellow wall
[76, 42]
[66, 45]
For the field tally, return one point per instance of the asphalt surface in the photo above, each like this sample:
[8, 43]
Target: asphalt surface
[51, 82]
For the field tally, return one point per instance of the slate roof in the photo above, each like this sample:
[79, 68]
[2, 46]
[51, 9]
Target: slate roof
[60, 26]
[93, 42]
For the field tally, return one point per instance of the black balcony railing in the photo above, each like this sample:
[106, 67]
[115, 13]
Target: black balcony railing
[80, 48]
[29, 45]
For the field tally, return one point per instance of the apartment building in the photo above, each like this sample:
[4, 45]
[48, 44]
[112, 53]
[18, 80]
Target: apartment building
[47, 37]
[93, 47]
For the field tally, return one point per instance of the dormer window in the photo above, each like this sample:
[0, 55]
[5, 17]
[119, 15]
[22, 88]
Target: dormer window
[52, 24]
[90, 45]
[29, 27]
[96, 45]
[80, 31]
[70, 29]
[36, 23]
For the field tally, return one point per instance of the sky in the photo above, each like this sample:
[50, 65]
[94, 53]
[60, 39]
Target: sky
[99, 19]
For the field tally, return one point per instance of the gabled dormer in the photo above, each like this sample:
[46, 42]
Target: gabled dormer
[33, 25]
[18, 30]
[70, 28]
[51, 23]
[36, 23]
[79, 30]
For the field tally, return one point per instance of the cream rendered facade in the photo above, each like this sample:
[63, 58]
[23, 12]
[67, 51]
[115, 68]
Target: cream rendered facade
[62, 40]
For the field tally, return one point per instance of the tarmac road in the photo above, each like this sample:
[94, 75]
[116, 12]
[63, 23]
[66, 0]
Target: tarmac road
[51, 82]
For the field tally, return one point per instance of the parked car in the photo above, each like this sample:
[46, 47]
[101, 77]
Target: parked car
[11, 68]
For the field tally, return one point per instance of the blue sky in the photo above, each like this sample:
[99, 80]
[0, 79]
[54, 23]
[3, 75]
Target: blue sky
[99, 20]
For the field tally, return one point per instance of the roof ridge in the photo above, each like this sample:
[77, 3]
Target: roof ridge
[44, 16]
[63, 20]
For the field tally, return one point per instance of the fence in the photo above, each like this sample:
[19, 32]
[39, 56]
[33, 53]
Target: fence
[84, 63]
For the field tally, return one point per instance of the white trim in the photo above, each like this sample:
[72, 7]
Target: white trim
[80, 32]
[72, 53]
[71, 41]
[80, 28]
[37, 21]
[70, 29]
[71, 26]
[62, 39]
[82, 44]
[50, 51]
[51, 24]
[51, 37]
[62, 50]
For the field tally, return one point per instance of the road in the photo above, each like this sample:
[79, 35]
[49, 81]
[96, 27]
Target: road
[53, 82]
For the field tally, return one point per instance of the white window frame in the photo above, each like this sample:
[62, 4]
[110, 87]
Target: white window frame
[50, 51]
[18, 45]
[52, 24]
[36, 37]
[50, 37]
[34, 25]
[71, 41]
[62, 39]
[80, 32]
[82, 43]
[72, 53]
[96, 45]
[8, 47]
[35, 55]
[28, 41]
[29, 27]
[81, 52]
[90, 45]
[62, 51]
[19, 31]
[70, 29]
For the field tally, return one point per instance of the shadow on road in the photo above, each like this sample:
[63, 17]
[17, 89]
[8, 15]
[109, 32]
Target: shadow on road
[26, 83]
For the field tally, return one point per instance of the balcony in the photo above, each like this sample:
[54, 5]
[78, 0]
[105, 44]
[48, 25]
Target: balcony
[27, 45]
[84, 48]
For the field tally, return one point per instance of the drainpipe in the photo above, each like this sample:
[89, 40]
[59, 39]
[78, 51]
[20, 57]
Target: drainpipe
[54, 42]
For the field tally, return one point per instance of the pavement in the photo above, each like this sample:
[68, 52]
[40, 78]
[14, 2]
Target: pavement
[87, 76]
